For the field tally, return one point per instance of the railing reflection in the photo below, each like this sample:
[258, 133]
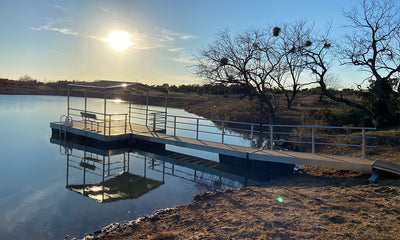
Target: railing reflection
[108, 175]
[106, 178]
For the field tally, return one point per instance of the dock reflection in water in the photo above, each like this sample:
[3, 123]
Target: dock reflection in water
[108, 175]
[117, 183]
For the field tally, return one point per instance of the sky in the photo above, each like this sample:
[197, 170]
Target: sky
[52, 40]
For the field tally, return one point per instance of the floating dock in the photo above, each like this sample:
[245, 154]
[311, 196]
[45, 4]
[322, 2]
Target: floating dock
[144, 133]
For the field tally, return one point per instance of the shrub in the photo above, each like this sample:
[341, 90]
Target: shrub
[352, 117]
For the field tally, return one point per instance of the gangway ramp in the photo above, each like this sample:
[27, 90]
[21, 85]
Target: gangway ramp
[378, 167]
[386, 166]
[297, 158]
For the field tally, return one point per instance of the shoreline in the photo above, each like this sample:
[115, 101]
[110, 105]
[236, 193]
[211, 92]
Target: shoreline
[335, 206]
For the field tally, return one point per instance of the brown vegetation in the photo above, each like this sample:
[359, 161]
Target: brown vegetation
[304, 206]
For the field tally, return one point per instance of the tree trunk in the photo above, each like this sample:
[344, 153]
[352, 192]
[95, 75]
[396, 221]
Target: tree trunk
[345, 101]
[382, 94]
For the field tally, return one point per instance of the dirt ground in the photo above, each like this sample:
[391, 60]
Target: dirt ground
[313, 204]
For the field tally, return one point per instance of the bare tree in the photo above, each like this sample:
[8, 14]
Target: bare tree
[260, 61]
[373, 46]
[289, 76]
[249, 59]
[318, 53]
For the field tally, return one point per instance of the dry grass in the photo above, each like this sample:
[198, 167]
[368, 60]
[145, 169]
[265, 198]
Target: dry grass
[310, 207]
[388, 145]
[162, 236]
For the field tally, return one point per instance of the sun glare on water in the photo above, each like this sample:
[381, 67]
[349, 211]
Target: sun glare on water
[119, 40]
[117, 100]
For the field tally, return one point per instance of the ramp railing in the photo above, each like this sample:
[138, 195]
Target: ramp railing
[343, 140]
[155, 119]
[301, 138]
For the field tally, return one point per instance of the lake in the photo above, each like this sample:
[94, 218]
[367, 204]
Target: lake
[45, 186]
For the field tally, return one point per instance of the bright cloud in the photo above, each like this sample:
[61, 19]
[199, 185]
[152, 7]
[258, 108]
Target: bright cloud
[181, 56]
[175, 49]
[53, 51]
[167, 35]
[106, 10]
[187, 37]
[185, 59]
[66, 31]
[59, 7]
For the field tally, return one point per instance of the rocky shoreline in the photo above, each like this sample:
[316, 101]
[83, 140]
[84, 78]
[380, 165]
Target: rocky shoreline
[333, 205]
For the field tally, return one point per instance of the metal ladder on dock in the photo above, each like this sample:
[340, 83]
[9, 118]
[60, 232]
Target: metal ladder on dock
[66, 124]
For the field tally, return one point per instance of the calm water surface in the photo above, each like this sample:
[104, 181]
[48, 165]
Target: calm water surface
[39, 184]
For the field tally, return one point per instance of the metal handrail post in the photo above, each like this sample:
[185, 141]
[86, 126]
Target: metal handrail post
[109, 125]
[363, 143]
[197, 129]
[166, 110]
[165, 121]
[147, 106]
[174, 126]
[105, 112]
[125, 124]
[223, 131]
[271, 131]
[154, 122]
[68, 100]
[313, 139]
[85, 110]
[251, 135]
[130, 107]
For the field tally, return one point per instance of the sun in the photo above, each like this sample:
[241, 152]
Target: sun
[119, 40]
